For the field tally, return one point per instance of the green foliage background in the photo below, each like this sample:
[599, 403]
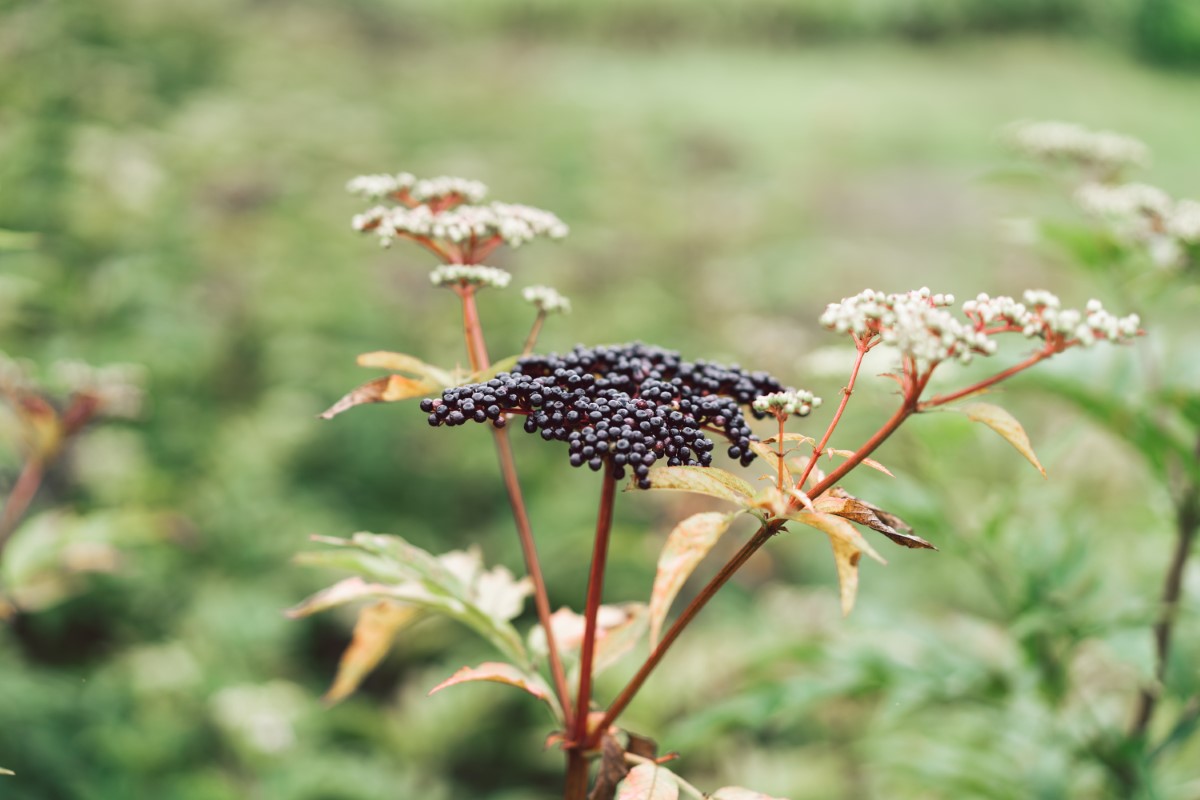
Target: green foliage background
[726, 173]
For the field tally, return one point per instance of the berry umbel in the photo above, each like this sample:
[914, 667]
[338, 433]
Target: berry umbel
[628, 405]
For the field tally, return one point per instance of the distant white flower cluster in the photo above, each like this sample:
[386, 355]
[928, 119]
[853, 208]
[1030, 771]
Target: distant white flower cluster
[447, 210]
[794, 403]
[917, 323]
[1064, 141]
[405, 185]
[473, 275]
[1146, 215]
[1137, 213]
[547, 300]
[1042, 316]
[513, 224]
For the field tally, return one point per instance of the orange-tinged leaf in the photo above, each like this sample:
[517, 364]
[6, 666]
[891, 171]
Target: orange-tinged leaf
[648, 782]
[738, 793]
[848, 547]
[500, 672]
[374, 633]
[771, 457]
[711, 481]
[1004, 424]
[838, 502]
[866, 462]
[686, 547]
[388, 389]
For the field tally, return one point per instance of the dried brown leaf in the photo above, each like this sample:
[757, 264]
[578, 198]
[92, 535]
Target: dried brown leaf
[387, 389]
[613, 769]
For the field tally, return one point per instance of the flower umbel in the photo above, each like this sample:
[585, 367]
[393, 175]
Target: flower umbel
[475, 275]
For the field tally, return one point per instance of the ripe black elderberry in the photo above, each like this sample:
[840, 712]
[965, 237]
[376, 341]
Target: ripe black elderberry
[627, 405]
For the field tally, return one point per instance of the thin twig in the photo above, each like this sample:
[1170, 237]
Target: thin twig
[837, 415]
[532, 338]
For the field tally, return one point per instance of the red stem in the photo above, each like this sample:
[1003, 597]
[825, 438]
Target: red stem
[837, 416]
[532, 338]
[595, 591]
[478, 354]
[941, 400]
[20, 497]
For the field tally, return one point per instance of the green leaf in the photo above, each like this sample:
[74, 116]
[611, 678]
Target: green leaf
[710, 481]
[17, 240]
[499, 672]
[376, 630]
[454, 584]
[848, 547]
[738, 793]
[1002, 423]
[399, 362]
[686, 547]
[648, 782]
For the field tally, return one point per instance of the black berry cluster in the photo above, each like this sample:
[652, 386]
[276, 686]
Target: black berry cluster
[628, 405]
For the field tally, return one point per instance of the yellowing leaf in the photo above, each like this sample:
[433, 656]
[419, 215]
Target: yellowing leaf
[1004, 424]
[499, 672]
[738, 793]
[686, 547]
[771, 456]
[648, 782]
[790, 437]
[614, 641]
[848, 547]
[399, 362]
[387, 389]
[374, 633]
[711, 481]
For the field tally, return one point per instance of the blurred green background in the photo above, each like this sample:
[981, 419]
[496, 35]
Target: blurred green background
[727, 169]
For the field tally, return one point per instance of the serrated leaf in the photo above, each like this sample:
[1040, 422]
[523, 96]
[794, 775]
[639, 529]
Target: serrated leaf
[686, 547]
[710, 481]
[1002, 423]
[866, 462]
[738, 793]
[500, 672]
[848, 547]
[388, 389]
[454, 584]
[399, 362]
[374, 633]
[648, 782]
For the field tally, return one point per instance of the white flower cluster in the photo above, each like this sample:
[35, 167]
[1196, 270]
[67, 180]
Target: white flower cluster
[1064, 141]
[421, 191]
[473, 275]
[1042, 315]
[514, 224]
[917, 323]
[1146, 214]
[794, 403]
[547, 300]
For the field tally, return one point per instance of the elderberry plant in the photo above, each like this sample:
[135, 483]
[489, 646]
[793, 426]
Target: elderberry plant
[1145, 244]
[645, 413]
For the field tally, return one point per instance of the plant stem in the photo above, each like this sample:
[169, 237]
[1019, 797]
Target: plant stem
[22, 495]
[477, 352]
[837, 415]
[1187, 516]
[532, 338]
[595, 590]
[577, 775]
[941, 400]
[693, 608]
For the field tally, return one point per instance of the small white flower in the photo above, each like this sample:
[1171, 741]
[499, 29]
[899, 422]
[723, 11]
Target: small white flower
[793, 403]
[473, 274]
[429, 189]
[374, 187]
[1064, 141]
[547, 300]
[917, 323]
[1184, 221]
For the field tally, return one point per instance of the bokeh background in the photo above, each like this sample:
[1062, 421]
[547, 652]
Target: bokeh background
[175, 173]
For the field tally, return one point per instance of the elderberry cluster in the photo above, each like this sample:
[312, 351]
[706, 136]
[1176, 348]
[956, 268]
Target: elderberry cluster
[628, 405]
